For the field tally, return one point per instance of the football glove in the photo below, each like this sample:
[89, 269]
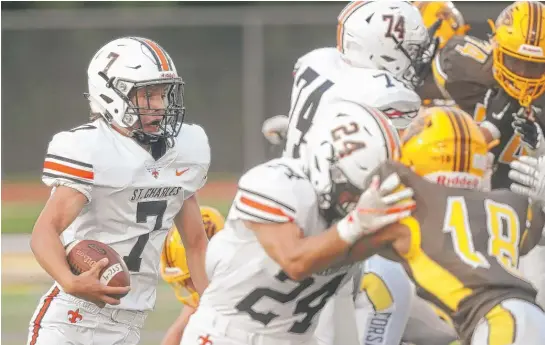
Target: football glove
[380, 205]
[529, 130]
[528, 173]
[275, 129]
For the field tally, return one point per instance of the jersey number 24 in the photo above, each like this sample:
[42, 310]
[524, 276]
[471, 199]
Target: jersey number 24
[309, 305]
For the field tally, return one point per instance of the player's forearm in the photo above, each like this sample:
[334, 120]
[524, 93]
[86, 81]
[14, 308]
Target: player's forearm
[196, 263]
[190, 226]
[312, 254]
[50, 254]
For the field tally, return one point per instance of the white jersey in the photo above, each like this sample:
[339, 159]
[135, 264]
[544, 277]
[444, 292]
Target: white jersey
[249, 287]
[322, 77]
[132, 198]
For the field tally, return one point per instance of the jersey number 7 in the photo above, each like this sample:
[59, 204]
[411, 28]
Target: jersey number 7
[144, 210]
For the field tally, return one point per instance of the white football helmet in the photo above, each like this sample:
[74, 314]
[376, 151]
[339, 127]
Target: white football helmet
[343, 151]
[122, 67]
[386, 35]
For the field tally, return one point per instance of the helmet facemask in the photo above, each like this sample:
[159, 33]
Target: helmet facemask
[161, 99]
[337, 196]
[420, 56]
[519, 76]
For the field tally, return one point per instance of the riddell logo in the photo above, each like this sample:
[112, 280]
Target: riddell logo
[458, 181]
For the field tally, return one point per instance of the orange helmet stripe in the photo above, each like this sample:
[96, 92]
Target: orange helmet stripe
[160, 54]
[343, 17]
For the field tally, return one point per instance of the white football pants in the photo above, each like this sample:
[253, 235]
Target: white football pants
[62, 319]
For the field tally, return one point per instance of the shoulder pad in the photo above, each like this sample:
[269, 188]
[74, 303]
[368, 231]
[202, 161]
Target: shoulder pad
[463, 70]
[274, 192]
[193, 149]
[378, 89]
[192, 143]
[70, 159]
[321, 59]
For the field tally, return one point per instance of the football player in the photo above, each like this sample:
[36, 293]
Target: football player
[382, 49]
[174, 271]
[500, 82]
[282, 254]
[123, 179]
[461, 246]
[385, 43]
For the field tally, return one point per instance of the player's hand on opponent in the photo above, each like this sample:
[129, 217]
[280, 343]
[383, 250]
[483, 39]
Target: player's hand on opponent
[528, 173]
[383, 203]
[529, 130]
[87, 286]
[275, 129]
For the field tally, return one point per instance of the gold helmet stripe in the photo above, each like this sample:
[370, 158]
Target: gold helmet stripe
[456, 141]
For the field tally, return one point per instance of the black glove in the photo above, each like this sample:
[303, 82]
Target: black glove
[528, 129]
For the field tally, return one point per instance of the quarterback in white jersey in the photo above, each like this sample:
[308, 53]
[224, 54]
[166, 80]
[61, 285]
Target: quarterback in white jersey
[283, 252]
[123, 179]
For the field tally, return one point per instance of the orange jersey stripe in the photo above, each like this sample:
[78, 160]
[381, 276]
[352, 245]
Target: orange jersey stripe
[264, 208]
[37, 322]
[69, 170]
[160, 54]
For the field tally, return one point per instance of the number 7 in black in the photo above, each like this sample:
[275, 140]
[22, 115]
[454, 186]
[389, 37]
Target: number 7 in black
[144, 210]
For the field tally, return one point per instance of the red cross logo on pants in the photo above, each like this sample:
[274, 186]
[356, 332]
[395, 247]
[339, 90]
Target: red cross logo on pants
[74, 316]
[205, 340]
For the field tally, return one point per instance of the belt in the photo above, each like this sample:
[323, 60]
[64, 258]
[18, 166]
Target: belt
[134, 318]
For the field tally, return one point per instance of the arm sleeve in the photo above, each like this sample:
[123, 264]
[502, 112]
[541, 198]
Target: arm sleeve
[272, 193]
[69, 163]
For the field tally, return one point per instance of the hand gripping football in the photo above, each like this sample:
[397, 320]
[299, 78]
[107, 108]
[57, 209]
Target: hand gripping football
[83, 254]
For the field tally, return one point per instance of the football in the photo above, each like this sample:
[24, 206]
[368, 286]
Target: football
[83, 254]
